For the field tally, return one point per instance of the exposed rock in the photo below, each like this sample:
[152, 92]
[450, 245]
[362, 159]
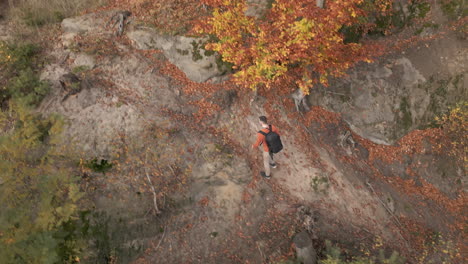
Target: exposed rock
[91, 120]
[384, 102]
[305, 251]
[219, 79]
[86, 24]
[85, 60]
[320, 3]
[222, 178]
[225, 98]
[256, 8]
[78, 25]
[95, 115]
[187, 53]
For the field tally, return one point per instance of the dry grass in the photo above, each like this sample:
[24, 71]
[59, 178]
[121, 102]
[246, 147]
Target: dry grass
[41, 12]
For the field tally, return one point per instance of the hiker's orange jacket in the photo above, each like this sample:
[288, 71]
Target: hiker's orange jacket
[261, 138]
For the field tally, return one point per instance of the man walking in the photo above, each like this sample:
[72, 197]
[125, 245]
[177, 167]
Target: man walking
[269, 137]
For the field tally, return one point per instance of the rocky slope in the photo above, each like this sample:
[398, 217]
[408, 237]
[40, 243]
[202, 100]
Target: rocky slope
[329, 180]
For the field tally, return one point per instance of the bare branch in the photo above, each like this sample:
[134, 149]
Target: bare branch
[152, 186]
[165, 228]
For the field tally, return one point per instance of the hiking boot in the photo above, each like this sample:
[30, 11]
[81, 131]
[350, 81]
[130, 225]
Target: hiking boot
[273, 165]
[263, 174]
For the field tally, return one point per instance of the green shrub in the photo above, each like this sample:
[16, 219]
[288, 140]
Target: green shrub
[98, 166]
[14, 58]
[28, 88]
[80, 69]
[18, 76]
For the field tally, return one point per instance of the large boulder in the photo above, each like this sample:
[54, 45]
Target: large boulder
[79, 25]
[83, 25]
[305, 251]
[383, 101]
[84, 60]
[187, 53]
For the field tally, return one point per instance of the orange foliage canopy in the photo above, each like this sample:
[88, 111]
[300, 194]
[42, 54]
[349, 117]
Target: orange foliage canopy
[292, 36]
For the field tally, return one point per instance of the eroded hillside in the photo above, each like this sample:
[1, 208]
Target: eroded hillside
[184, 184]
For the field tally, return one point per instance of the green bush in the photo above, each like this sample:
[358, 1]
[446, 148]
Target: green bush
[14, 58]
[80, 69]
[18, 75]
[98, 166]
[28, 88]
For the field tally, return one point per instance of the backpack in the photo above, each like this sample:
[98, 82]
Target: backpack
[273, 140]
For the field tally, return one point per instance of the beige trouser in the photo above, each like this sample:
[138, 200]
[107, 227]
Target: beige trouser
[267, 159]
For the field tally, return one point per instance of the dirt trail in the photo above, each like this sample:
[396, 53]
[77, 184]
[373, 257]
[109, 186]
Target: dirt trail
[332, 189]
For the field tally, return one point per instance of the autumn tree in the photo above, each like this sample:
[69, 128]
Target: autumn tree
[293, 38]
[37, 194]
